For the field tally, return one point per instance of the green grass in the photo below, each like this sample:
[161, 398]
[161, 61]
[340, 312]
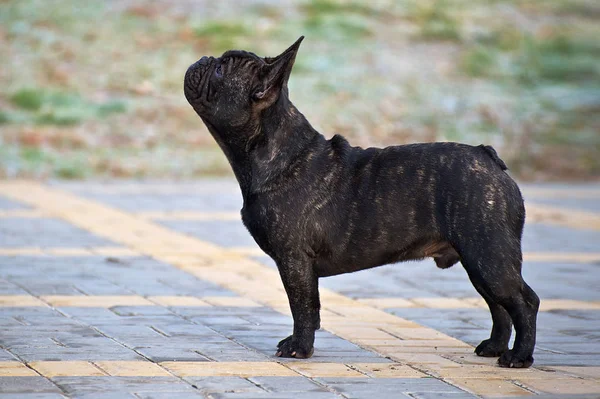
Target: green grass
[47, 107]
[435, 20]
[223, 35]
[81, 99]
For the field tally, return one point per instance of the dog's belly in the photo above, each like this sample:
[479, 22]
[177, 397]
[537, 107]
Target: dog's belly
[441, 251]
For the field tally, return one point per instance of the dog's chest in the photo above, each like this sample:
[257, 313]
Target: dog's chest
[270, 225]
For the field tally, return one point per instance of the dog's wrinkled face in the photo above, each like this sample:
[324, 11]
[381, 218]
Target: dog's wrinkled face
[229, 91]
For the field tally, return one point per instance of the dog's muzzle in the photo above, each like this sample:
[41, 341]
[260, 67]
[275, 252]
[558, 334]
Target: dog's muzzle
[193, 77]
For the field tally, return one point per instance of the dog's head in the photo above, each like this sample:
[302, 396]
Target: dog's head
[231, 91]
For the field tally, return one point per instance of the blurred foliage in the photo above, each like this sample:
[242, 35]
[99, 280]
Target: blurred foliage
[94, 88]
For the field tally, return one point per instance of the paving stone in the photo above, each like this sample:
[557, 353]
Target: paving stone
[223, 233]
[442, 395]
[541, 237]
[32, 395]
[225, 384]
[287, 384]
[7, 204]
[27, 385]
[28, 232]
[84, 386]
[229, 332]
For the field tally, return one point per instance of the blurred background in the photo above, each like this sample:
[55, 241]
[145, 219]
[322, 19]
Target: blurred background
[93, 89]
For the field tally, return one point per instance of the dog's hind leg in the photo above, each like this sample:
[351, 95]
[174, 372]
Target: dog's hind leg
[495, 271]
[302, 287]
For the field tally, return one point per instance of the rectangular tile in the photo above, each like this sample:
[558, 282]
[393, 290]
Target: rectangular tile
[53, 369]
[324, 370]
[131, 369]
[223, 369]
[15, 369]
[20, 300]
[96, 301]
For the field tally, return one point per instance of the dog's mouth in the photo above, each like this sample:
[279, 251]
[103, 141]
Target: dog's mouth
[197, 85]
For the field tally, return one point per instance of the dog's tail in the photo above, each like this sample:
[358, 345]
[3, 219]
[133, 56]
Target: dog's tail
[494, 155]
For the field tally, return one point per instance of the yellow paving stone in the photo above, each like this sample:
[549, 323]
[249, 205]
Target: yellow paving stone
[68, 251]
[472, 359]
[53, 369]
[491, 372]
[441, 350]
[15, 369]
[20, 300]
[189, 215]
[23, 213]
[123, 368]
[388, 370]
[477, 302]
[96, 301]
[414, 333]
[248, 251]
[114, 251]
[234, 301]
[29, 251]
[556, 304]
[426, 361]
[224, 369]
[490, 388]
[581, 371]
[178, 301]
[314, 370]
[367, 314]
[359, 333]
[566, 257]
[451, 343]
[538, 213]
[442, 303]
[388, 303]
[548, 192]
[568, 386]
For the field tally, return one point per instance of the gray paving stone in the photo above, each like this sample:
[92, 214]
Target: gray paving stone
[5, 355]
[442, 395]
[223, 233]
[576, 204]
[8, 204]
[47, 233]
[223, 384]
[386, 387]
[287, 384]
[204, 201]
[30, 395]
[166, 395]
[276, 395]
[8, 288]
[83, 386]
[544, 237]
[27, 385]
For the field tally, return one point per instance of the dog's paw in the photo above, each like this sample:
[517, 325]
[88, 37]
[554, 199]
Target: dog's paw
[489, 348]
[289, 347]
[510, 359]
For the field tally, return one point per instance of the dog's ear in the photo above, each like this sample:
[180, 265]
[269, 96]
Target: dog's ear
[275, 74]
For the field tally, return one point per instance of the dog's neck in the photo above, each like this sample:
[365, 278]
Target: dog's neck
[269, 147]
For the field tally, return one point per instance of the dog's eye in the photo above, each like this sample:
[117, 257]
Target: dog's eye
[218, 71]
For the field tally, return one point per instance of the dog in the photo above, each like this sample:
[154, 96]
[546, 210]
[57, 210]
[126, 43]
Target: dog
[321, 207]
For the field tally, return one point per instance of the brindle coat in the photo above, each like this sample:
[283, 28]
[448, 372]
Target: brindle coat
[321, 207]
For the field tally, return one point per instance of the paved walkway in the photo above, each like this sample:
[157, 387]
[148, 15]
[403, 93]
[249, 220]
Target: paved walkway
[139, 290]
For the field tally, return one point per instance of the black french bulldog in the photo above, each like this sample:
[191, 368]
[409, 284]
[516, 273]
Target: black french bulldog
[322, 207]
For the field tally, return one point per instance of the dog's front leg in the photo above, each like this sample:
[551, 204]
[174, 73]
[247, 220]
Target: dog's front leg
[302, 288]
